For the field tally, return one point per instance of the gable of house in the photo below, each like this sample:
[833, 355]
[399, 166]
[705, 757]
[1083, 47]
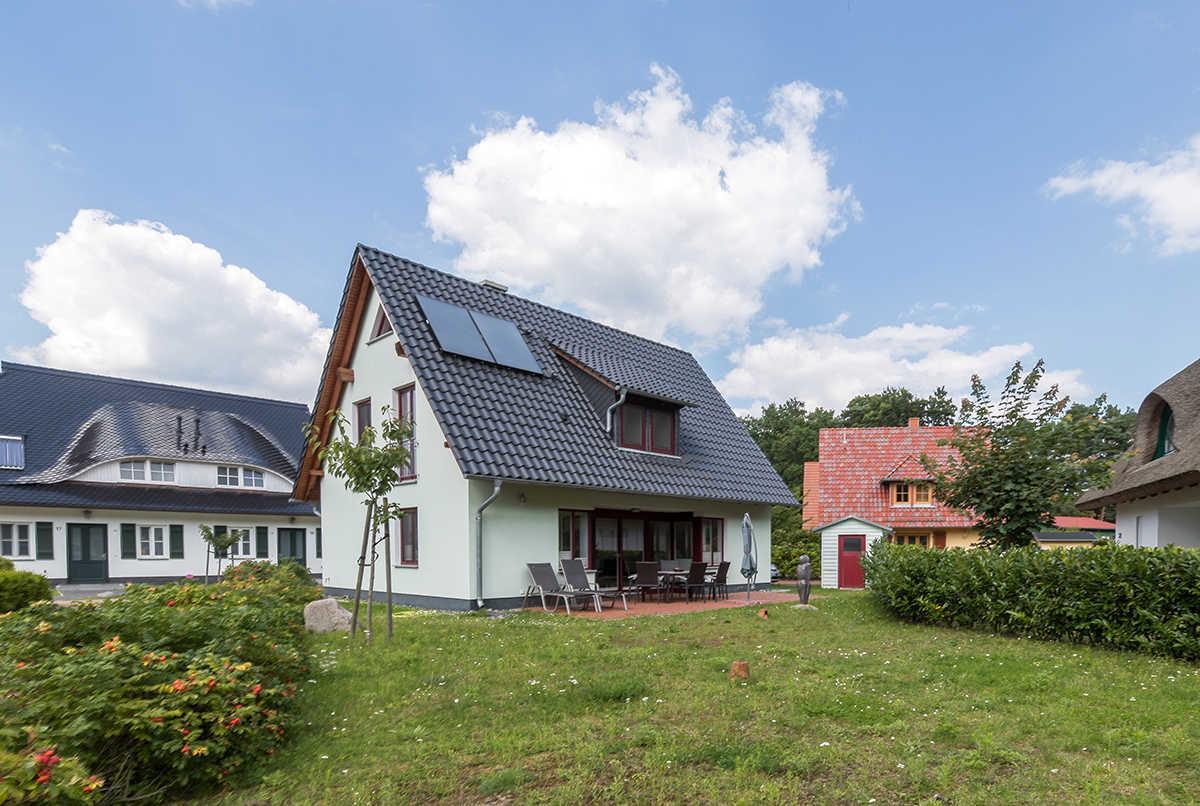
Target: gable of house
[546, 423]
[858, 467]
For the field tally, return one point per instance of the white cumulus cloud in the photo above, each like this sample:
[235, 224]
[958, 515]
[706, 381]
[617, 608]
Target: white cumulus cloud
[136, 299]
[825, 367]
[649, 217]
[1165, 195]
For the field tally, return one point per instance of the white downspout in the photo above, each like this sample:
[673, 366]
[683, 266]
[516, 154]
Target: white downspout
[608, 415]
[496, 484]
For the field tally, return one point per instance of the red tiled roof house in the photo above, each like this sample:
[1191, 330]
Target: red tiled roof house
[868, 484]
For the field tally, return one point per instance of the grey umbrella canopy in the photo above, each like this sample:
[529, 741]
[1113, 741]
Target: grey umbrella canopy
[749, 552]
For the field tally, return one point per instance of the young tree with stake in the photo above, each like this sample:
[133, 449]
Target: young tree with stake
[370, 467]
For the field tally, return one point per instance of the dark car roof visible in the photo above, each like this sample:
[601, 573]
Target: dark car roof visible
[508, 424]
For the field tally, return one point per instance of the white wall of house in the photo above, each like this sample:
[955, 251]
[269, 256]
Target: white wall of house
[187, 474]
[439, 492]
[194, 547]
[521, 527]
[1162, 520]
[829, 545]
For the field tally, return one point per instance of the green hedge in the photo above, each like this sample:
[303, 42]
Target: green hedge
[163, 690]
[789, 539]
[19, 589]
[1115, 596]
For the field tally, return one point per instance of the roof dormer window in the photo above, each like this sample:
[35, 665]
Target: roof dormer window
[648, 428]
[133, 471]
[12, 453]
[1166, 433]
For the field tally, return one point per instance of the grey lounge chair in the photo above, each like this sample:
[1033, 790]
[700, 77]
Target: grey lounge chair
[577, 580]
[545, 583]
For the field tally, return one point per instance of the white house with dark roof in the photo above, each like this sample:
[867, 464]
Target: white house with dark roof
[106, 479]
[538, 435]
[1156, 487]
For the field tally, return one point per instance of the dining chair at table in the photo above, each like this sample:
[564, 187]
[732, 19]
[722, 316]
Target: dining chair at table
[649, 580]
[696, 580]
[719, 585]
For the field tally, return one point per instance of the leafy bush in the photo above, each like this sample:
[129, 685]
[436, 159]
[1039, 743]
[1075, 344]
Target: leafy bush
[1108, 595]
[33, 772]
[19, 589]
[6, 564]
[165, 688]
[789, 540]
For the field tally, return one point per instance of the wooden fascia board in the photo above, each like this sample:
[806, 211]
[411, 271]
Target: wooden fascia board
[341, 354]
[584, 368]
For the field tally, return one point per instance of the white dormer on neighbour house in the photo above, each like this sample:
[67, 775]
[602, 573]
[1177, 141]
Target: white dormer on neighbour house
[186, 473]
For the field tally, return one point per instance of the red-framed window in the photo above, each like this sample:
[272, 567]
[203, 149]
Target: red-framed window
[362, 417]
[406, 527]
[712, 540]
[382, 326]
[405, 398]
[572, 533]
[648, 428]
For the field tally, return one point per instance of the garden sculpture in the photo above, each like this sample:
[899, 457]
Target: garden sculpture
[804, 578]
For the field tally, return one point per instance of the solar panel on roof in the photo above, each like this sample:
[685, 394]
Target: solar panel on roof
[477, 335]
[454, 329]
[505, 342]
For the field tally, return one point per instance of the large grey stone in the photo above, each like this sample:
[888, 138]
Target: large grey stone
[326, 615]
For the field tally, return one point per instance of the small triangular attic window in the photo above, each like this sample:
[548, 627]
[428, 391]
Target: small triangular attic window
[383, 325]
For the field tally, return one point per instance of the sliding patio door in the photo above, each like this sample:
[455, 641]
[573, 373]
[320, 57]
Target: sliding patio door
[633, 547]
[607, 555]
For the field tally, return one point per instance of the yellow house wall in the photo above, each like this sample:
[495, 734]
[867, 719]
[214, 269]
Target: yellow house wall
[961, 538]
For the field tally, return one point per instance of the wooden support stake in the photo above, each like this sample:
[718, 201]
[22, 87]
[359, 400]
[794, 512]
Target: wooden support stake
[371, 584]
[387, 565]
[362, 559]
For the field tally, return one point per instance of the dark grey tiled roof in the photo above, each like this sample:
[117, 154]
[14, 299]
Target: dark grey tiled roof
[71, 421]
[83, 495]
[504, 423]
[621, 371]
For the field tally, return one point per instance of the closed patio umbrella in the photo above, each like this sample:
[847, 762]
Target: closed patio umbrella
[749, 553]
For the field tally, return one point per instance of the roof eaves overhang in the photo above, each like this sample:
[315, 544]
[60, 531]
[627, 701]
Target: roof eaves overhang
[339, 356]
[853, 518]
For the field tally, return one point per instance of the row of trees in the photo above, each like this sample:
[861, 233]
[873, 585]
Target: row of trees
[1022, 458]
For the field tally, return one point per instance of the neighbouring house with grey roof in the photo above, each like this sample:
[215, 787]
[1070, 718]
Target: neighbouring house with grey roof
[537, 435]
[1156, 487]
[106, 479]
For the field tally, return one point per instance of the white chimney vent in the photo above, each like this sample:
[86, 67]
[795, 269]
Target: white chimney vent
[492, 284]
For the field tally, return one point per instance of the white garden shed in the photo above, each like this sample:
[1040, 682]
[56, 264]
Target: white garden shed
[843, 544]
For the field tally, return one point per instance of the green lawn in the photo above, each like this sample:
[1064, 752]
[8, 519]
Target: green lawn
[843, 705]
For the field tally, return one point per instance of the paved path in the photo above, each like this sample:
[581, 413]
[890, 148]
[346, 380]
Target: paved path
[97, 590]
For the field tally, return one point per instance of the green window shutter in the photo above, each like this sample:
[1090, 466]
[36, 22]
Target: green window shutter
[176, 541]
[128, 541]
[45, 540]
[221, 531]
[261, 549]
[318, 542]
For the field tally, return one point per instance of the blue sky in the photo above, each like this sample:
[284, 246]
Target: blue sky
[280, 134]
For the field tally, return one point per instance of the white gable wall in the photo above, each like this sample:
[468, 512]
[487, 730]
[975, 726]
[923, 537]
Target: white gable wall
[439, 492]
[1162, 520]
[829, 546]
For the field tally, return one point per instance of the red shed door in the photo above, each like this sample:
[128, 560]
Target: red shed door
[850, 570]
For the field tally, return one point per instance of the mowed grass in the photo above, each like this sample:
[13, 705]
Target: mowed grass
[844, 705]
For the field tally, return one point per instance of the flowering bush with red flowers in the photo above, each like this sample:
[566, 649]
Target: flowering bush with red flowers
[32, 772]
[162, 691]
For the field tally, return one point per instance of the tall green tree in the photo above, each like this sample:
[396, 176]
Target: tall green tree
[1102, 433]
[788, 434]
[1017, 462]
[895, 406]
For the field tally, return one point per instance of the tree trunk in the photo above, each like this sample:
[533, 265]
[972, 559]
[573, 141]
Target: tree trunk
[387, 565]
[362, 559]
[371, 584]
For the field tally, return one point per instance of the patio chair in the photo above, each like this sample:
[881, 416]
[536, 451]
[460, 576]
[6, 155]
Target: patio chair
[696, 580]
[649, 580]
[545, 583]
[719, 584]
[577, 580]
